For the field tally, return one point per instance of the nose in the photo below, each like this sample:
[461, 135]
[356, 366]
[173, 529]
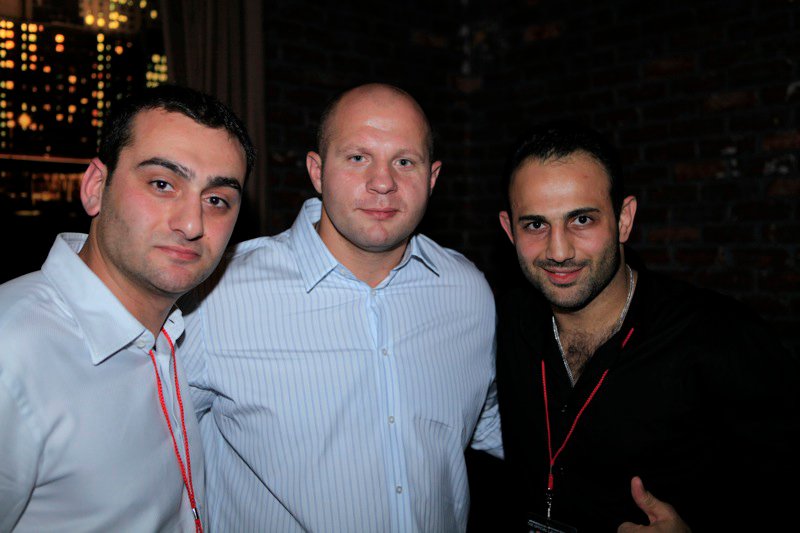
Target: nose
[382, 179]
[187, 218]
[559, 246]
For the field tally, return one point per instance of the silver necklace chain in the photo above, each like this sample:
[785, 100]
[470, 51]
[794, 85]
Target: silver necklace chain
[617, 326]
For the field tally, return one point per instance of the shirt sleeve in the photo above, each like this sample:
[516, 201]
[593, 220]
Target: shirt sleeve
[487, 436]
[19, 452]
[193, 356]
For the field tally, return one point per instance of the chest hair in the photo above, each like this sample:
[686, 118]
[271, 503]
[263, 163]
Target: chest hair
[579, 347]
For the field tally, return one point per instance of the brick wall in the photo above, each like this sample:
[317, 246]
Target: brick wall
[701, 96]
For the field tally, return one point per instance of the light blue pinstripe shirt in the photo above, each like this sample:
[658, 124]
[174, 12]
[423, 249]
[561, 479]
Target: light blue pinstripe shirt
[335, 407]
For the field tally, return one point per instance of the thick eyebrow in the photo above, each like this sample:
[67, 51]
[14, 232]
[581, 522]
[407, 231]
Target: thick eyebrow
[188, 174]
[531, 218]
[172, 166]
[222, 181]
[581, 211]
[571, 214]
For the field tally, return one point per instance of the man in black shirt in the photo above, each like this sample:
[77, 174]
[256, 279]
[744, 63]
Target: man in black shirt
[610, 376]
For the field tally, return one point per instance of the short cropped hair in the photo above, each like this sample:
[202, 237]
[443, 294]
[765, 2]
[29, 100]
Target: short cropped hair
[200, 107]
[323, 130]
[561, 139]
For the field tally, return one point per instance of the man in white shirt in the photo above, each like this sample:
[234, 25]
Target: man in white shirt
[342, 367]
[98, 429]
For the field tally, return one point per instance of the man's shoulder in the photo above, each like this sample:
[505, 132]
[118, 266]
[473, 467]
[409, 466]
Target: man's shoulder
[258, 253]
[253, 249]
[23, 296]
[449, 261]
[34, 322]
[704, 312]
[249, 262]
[686, 297]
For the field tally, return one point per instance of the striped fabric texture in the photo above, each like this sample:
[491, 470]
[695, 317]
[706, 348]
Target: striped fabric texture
[327, 405]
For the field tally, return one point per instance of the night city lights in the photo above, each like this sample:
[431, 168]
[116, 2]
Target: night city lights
[63, 64]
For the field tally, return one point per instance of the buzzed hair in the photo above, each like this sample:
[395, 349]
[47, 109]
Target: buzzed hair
[561, 139]
[202, 108]
[323, 131]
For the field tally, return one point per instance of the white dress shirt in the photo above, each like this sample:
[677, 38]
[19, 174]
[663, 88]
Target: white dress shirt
[333, 406]
[83, 442]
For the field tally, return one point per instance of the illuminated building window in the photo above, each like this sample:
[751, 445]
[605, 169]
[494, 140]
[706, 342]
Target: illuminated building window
[114, 47]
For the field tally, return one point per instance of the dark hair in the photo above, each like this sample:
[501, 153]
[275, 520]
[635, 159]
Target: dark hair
[323, 134]
[200, 107]
[561, 139]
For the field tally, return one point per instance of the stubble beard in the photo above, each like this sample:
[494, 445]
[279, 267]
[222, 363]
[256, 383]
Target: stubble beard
[601, 271]
[136, 268]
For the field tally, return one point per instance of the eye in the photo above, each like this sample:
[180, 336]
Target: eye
[218, 201]
[534, 225]
[582, 220]
[357, 158]
[405, 162]
[161, 185]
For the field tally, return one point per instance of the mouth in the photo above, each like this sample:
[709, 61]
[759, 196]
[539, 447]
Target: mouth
[380, 213]
[180, 253]
[562, 277]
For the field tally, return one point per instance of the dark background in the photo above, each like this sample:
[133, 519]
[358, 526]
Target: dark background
[701, 96]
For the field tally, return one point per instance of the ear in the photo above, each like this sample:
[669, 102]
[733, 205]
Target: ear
[626, 217]
[505, 221]
[435, 168]
[92, 185]
[314, 167]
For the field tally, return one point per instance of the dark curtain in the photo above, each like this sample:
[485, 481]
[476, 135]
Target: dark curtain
[218, 47]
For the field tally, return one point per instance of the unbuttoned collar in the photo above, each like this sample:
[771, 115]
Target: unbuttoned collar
[315, 261]
[105, 323]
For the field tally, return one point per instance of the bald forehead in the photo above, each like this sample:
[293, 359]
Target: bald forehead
[378, 94]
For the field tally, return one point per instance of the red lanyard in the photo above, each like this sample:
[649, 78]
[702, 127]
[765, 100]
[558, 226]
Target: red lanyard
[553, 457]
[186, 471]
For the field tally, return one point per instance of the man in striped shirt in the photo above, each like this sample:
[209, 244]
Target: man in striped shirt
[341, 368]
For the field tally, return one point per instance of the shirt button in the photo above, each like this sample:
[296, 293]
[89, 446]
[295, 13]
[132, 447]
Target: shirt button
[391, 420]
[385, 351]
[372, 292]
[140, 344]
[398, 489]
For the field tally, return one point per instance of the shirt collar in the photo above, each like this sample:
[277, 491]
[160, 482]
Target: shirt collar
[105, 323]
[315, 261]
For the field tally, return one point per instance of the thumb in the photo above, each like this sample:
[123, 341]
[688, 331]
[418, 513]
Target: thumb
[643, 499]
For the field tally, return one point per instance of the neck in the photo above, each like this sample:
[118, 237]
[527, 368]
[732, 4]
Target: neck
[601, 315]
[148, 307]
[371, 267]
[580, 333]
[152, 318]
